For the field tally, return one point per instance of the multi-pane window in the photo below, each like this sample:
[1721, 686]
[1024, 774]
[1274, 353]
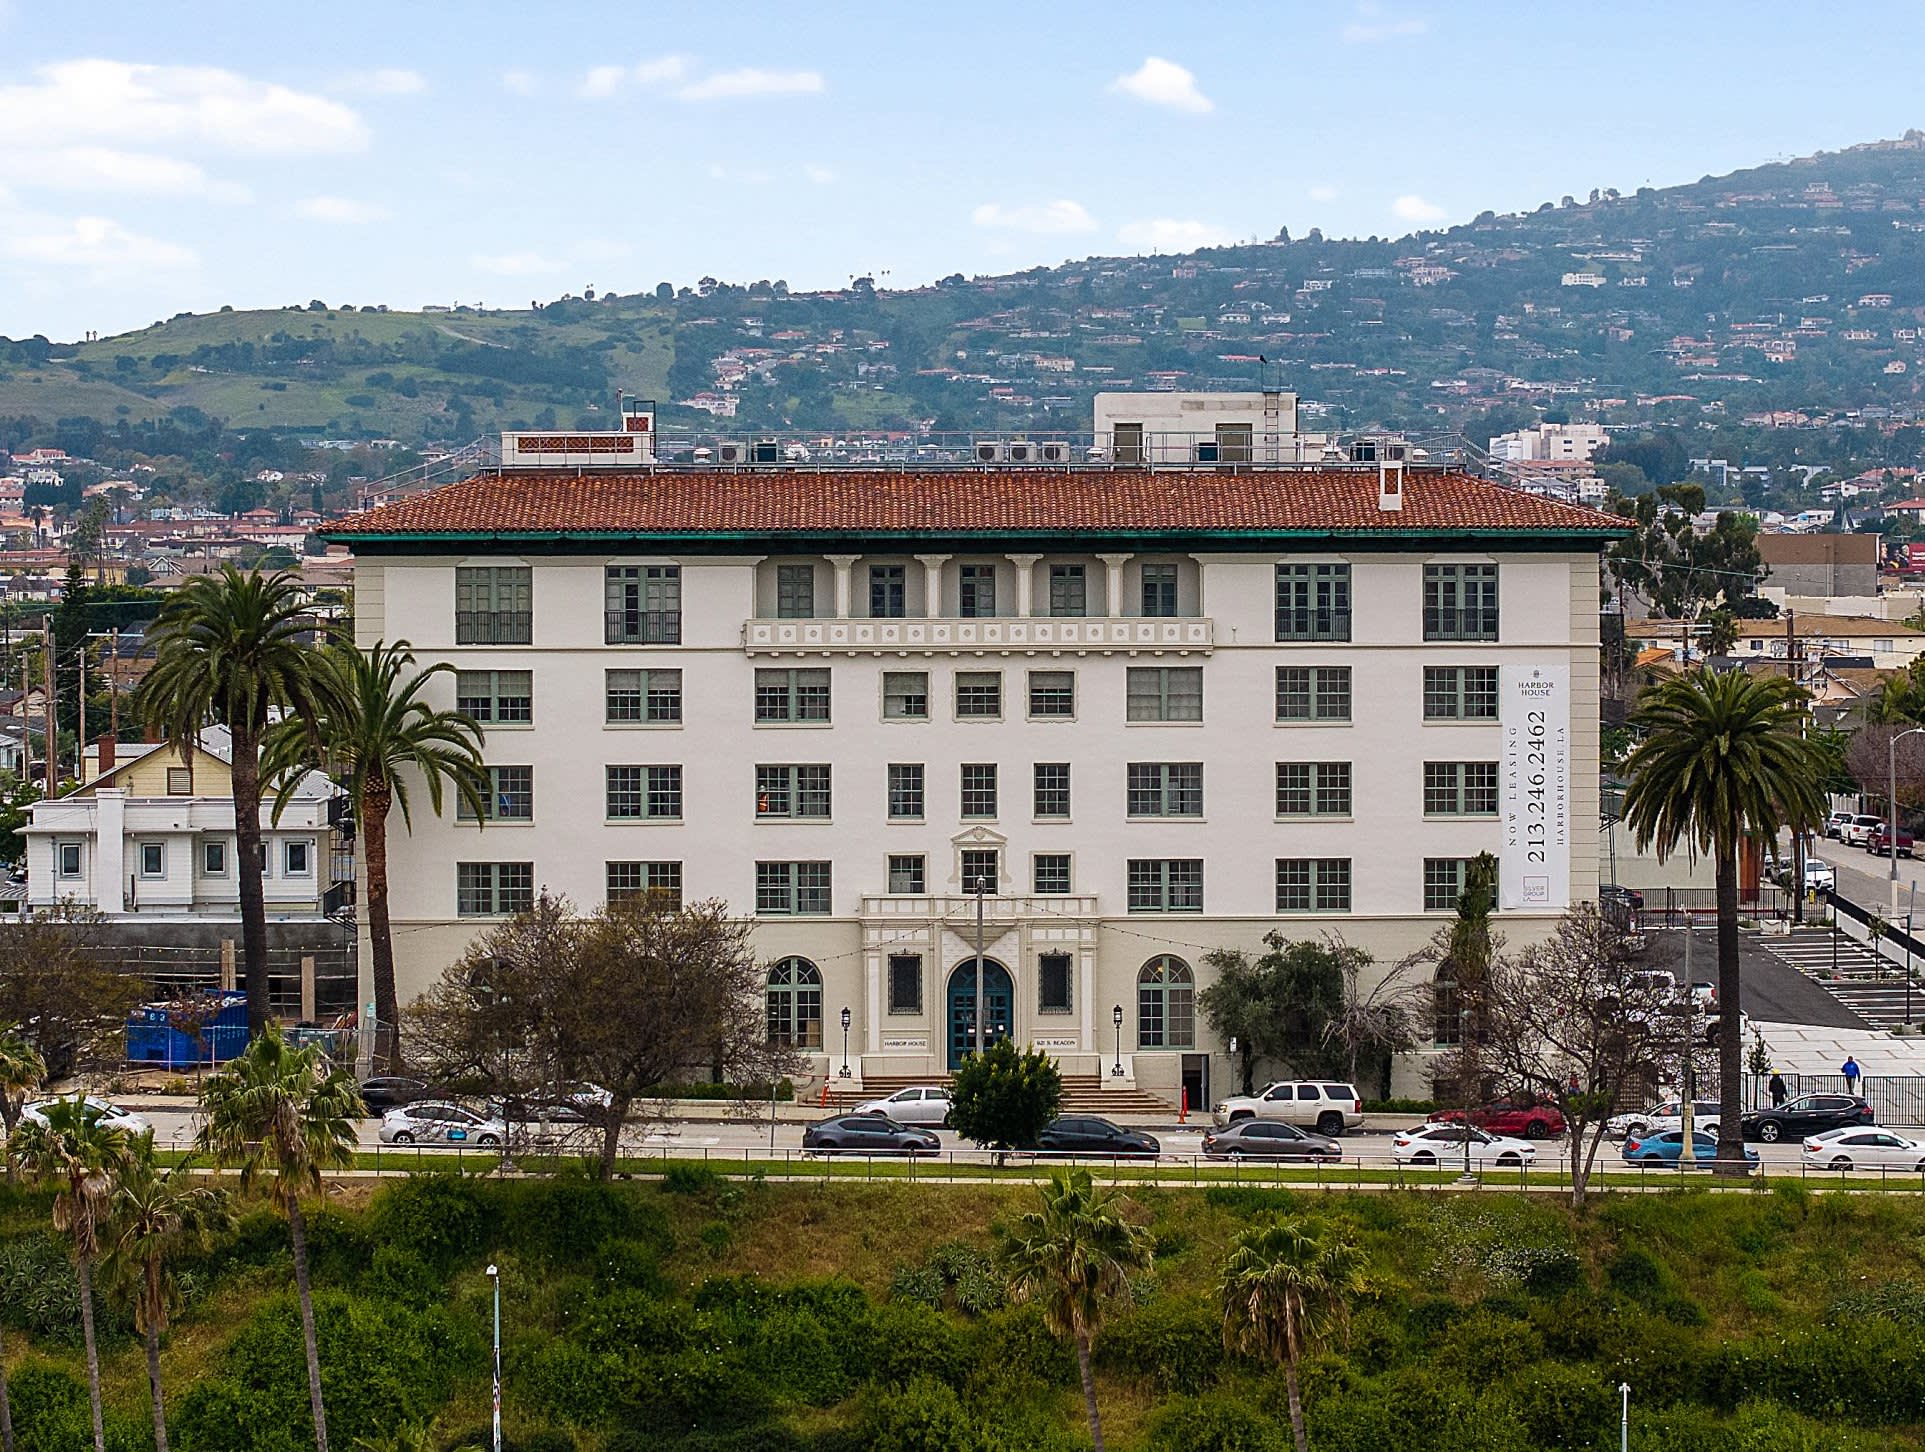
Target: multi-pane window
[1165, 884]
[496, 698]
[794, 1003]
[510, 796]
[794, 592]
[653, 697]
[791, 888]
[1053, 983]
[976, 591]
[905, 983]
[982, 869]
[906, 873]
[905, 695]
[1460, 788]
[1165, 1004]
[1313, 884]
[1313, 602]
[1460, 693]
[1165, 693]
[792, 695]
[1068, 590]
[628, 881]
[979, 694]
[494, 605]
[905, 791]
[644, 793]
[792, 791]
[1460, 602]
[1159, 589]
[1444, 882]
[643, 605]
[493, 889]
[1313, 693]
[1051, 789]
[979, 789]
[1049, 872]
[1313, 788]
[1165, 789]
[1052, 694]
[888, 592]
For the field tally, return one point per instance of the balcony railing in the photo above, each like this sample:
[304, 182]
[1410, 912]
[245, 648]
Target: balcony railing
[1472, 624]
[1100, 635]
[643, 627]
[1313, 624]
[997, 907]
[493, 627]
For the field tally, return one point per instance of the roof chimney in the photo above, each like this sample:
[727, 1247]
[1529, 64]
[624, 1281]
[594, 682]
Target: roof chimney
[1390, 485]
[106, 754]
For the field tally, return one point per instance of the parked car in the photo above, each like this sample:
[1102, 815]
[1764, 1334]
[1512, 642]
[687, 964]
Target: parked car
[1851, 1149]
[1879, 843]
[1807, 1115]
[1264, 1139]
[1085, 1134]
[868, 1134]
[1666, 1148]
[436, 1121]
[1858, 829]
[1325, 1106]
[1835, 823]
[925, 1105]
[1443, 1144]
[1511, 1117]
[388, 1091]
[98, 1110]
[1611, 894]
[1818, 876]
[1705, 1115]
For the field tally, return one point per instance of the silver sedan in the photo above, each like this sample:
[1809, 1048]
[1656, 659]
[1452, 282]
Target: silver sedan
[435, 1121]
[919, 1104]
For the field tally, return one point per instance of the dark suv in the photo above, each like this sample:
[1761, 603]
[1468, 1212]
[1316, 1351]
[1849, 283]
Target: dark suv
[1807, 1114]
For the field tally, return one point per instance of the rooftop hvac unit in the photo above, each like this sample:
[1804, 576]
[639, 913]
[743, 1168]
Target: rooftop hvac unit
[1022, 451]
[989, 451]
[731, 453]
[765, 451]
[1363, 451]
[1206, 451]
[1053, 452]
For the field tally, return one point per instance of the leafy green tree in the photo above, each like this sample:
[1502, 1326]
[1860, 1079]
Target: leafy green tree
[1004, 1097]
[16, 796]
[1286, 1006]
[21, 1069]
[1072, 1255]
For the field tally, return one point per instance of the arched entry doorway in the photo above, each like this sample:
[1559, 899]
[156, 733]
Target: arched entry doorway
[1000, 993]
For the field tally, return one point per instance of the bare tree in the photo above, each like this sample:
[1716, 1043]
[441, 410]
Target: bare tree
[1382, 1020]
[56, 995]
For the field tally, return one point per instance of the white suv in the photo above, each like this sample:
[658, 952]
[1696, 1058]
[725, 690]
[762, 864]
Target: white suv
[1327, 1107]
[1858, 831]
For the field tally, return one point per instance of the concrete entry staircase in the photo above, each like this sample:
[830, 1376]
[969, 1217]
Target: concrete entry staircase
[1082, 1094]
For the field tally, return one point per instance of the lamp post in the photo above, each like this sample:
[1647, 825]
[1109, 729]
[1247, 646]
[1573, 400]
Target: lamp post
[1624, 1417]
[845, 1043]
[1116, 1017]
[494, 1276]
[1891, 805]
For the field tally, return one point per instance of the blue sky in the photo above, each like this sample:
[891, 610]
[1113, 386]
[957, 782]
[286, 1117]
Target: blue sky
[156, 158]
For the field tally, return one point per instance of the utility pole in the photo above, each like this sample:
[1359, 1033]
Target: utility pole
[80, 729]
[48, 710]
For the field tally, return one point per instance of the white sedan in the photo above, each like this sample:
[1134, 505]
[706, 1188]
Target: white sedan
[435, 1121]
[1661, 1117]
[918, 1104]
[1863, 1147]
[1443, 1145]
[109, 1114]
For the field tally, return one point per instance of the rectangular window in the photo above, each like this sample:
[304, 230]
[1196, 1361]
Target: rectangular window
[1460, 693]
[982, 869]
[1165, 789]
[651, 697]
[644, 793]
[979, 789]
[979, 695]
[153, 859]
[630, 881]
[794, 592]
[888, 592]
[1460, 602]
[976, 591]
[1165, 693]
[1313, 788]
[180, 781]
[1235, 443]
[1068, 590]
[1313, 602]
[493, 889]
[1159, 589]
[1165, 884]
[297, 859]
[496, 698]
[493, 605]
[792, 695]
[1313, 884]
[69, 853]
[511, 796]
[1052, 695]
[790, 889]
[1313, 693]
[906, 874]
[905, 983]
[792, 791]
[1460, 788]
[905, 695]
[1053, 983]
[1444, 882]
[643, 605]
[1052, 789]
[213, 859]
[905, 791]
[1049, 872]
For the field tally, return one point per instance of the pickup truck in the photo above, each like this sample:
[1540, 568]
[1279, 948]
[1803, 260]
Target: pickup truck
[1879, 844]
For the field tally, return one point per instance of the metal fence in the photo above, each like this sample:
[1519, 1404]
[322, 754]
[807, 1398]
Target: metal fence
[1896, 1099]
[1671, 907]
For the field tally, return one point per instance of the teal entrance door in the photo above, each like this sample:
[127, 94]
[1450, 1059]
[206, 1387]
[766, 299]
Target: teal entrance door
[997, 988]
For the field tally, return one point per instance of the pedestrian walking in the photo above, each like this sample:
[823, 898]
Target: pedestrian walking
[1851, 1071]
[1777, 1089]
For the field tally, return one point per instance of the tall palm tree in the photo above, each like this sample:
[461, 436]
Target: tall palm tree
[21, 1070]
[152, 1215]
[1071, 1255]
[230, 649]
[375, 732]
[1721, 758]
[283, 1116]
[71, 1147]
[1285, 1284]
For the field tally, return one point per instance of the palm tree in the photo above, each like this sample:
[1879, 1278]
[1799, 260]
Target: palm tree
[374, 733]
[21, 1070]
[1285, 1284]
[153, 1214]
[70, 1146]
[230, 649]
[1721, 758]
[284, 1115]
[1071, 1255]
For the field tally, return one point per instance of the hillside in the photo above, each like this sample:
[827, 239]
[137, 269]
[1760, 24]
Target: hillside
[1797, 286]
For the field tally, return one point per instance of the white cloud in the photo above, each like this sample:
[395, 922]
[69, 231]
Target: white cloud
[1413, 208]
[602, 82]
[386, 81]
[663, 70]
[822, 176]
[1323, 194]
[1172, 234]
[97, 242]
[342, 211]
[105, 169]
[515, 264]
[520, 83]
[734, 85]
[1163, 83]
[96, 100]
[1373, 27]
[1047, 218]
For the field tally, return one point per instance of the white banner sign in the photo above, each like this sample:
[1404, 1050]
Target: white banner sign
[1535, 865]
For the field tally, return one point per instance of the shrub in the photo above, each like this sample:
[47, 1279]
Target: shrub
[682, 1178]
[39, 1292]
[910, 1340]
[922, 1284]
[925, 1416]
[1482, 1348]
[50, 1414]
[1217, 1423]
[444, 1219]
[1562, 1406]
[1013, 1346]
[565, 1380]
[796, 1357]
[562, 1220]
[1175, 1343]
[630, 1265]
[397, 1273]
[631, 1321]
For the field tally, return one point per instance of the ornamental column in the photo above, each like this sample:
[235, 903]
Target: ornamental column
[1113, 584]
[1025, 583]
[932, 584]
[842, 564]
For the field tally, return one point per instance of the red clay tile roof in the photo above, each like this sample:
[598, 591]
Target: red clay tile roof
[781, 501]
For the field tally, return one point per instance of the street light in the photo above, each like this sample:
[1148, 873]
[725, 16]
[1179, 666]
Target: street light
[1116, 1017]
[1624, 1417]
[494, 1275]
[845, 1044]
[1891, 805]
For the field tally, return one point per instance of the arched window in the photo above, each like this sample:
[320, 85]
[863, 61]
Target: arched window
[1165, 1004]
[1447, 1004]
[795, 1004]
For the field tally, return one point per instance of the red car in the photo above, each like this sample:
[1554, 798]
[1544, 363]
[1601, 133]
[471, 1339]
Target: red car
[1510, 1117]
[1879, 846]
